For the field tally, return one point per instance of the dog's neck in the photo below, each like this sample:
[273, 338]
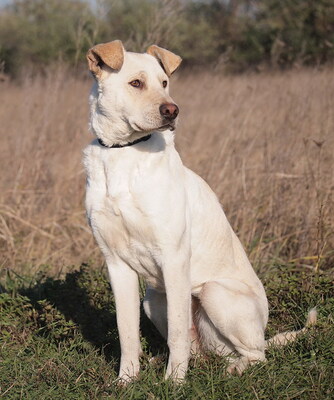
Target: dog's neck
[118, 146]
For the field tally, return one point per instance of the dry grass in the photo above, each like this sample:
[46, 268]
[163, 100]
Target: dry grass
[265, 143]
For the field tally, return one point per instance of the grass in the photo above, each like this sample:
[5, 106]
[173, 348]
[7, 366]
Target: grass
[58, 340]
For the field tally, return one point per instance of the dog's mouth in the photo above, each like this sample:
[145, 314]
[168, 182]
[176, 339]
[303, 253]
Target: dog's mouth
[169, 126]
[138, 128]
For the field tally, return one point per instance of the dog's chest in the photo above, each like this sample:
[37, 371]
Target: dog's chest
[120, 196]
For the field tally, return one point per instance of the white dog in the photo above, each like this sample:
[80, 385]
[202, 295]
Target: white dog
[153, 217]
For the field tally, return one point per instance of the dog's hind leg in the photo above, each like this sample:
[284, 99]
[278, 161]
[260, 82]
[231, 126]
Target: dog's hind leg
[239, 317]
[155, 307]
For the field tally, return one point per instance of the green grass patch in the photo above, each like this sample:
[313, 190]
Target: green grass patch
[59, 340]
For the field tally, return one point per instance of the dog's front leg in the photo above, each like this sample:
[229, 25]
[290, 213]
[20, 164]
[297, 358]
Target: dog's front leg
[124, 283]
[177, 284]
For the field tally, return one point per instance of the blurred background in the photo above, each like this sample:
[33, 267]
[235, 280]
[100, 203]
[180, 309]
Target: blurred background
[234, 34]
[256, 98]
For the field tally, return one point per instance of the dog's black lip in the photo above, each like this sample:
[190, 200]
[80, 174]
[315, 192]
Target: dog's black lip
[168, 126]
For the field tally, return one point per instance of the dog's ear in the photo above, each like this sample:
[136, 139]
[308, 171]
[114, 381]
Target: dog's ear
[168, 60]
[110, 54]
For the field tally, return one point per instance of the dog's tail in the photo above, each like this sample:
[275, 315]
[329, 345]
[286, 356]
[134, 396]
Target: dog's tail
[285, 337]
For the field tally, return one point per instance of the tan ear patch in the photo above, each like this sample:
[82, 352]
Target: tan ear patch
[110, 54]
[169, 60]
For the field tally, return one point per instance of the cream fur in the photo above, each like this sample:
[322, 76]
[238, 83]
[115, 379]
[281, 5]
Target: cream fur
[153, 217]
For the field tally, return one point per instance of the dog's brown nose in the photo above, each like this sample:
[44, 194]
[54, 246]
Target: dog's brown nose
[169, 111]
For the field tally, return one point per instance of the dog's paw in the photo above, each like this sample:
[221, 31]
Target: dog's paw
[176, 372]
[235, 368]
[238, 366]
[128, 372]
[124, 380]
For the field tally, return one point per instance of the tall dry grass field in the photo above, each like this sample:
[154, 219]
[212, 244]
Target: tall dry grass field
[265, 144]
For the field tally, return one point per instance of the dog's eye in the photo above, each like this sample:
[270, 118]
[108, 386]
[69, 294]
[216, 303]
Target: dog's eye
[164, 84]
[136, 83]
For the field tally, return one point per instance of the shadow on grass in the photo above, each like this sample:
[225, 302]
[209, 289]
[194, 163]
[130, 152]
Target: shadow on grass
[85, 298]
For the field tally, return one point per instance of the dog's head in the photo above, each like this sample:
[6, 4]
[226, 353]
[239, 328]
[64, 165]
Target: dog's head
[130, 97]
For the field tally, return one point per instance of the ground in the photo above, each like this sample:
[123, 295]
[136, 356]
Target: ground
[58, 340]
